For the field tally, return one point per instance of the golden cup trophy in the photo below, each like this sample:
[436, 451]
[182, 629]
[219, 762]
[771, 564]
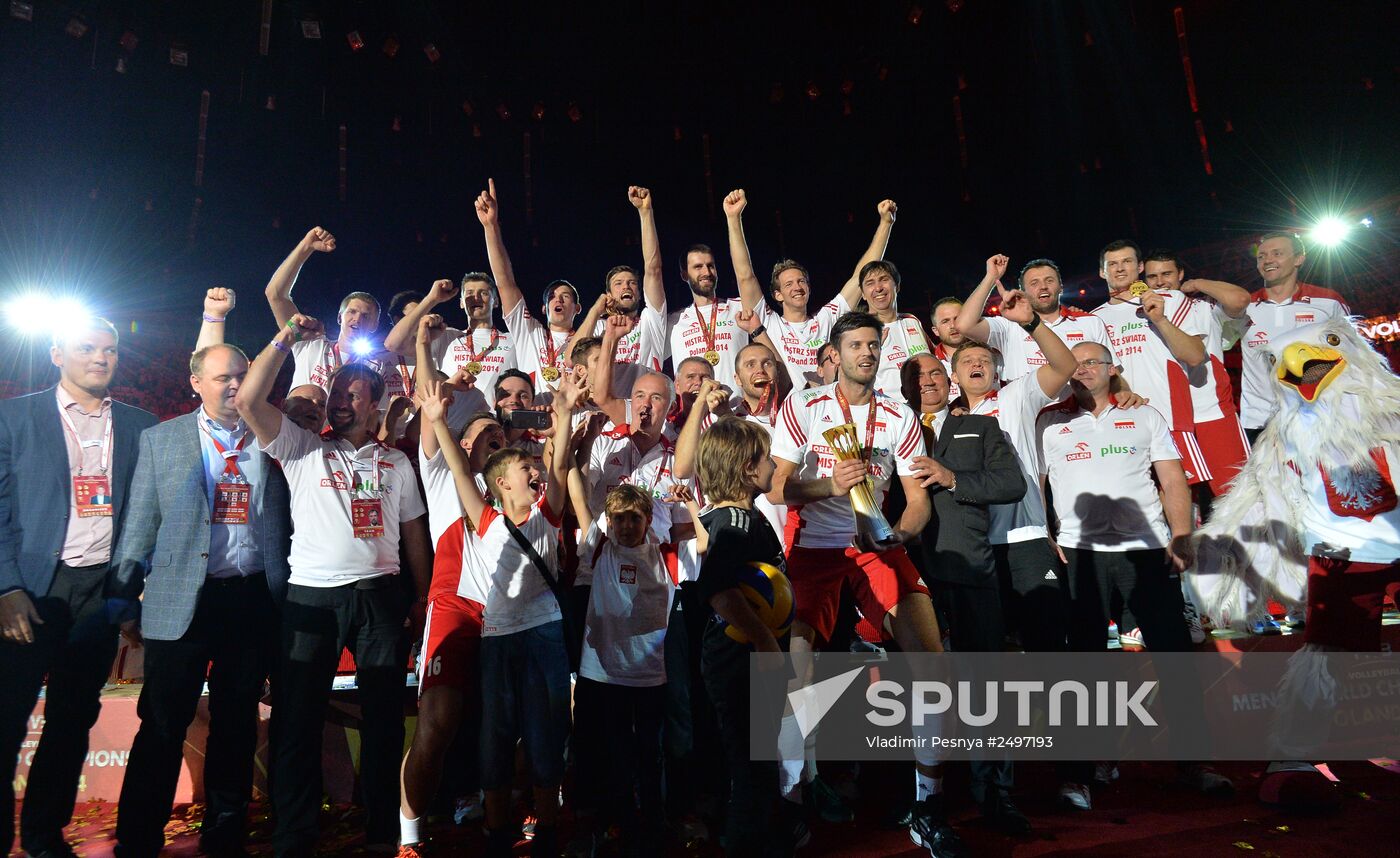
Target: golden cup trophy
[870, 521]
[1137, 289]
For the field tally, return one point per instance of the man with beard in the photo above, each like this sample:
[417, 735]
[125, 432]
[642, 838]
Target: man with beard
[796, 333]
[709, 327]
[901, 335]
[643, 346]
[945, 330]
[827, 553]
[1285, 302]
[358, 319]
[481, 350]
[357, 516]
[66, 460]
[541, 351]
[1041, 283]
[1157, 339]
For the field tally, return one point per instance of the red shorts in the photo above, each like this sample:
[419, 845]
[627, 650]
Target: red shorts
[1344, 602]
[878, 582]
[451, 645]
[1193, 461]
[1225, 449]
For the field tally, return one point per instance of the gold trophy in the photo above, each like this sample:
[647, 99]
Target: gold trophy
[870, 521]
[1138, 288]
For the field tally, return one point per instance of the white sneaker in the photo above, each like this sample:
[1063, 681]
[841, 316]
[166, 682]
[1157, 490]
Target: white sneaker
[1075, 796]
[1131, 639]
[1193, 623]
[469, 809]
[1105, 773]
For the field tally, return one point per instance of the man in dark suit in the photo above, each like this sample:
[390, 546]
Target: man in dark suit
[66, 458]
[970, 466]
[207, 540]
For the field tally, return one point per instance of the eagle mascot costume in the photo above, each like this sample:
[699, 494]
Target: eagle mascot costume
[1312, 521]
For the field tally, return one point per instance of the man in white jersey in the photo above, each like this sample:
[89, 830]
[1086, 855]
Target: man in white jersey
[1158, 338]
[945, 329]
[643, 346]
[356, 511]
[1284, 303]
[541, 350]
[1041, 283]
[796, 333]
[482, 350]
[901, 335]
[1219, 309]
[316, 358]
[637, 450]
[708, 328]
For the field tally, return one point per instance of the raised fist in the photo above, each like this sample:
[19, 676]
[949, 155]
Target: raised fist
[219, 301]
[319, 240]
[442, 290]
[996, 266]
[747, 320]
[887, 209]
[735, 202]
[305, 327]
[639, 197]
[431, 326]
[619, 325]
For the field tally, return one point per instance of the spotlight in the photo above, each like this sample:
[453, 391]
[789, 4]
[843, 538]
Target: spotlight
[1330, 231]
[362, 346]
[1367, 222]
[35, 314]
[355, 40]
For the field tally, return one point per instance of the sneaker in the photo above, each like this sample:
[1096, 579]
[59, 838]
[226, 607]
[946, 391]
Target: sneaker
[1131, 640]
[410, 850]
[583, 846]
[827, 802]
[1296, 618]
[1112, 633]
[1075, 796]
[469, 808]
[1266, 626]
[1193, 623]
[1003, 814]
[692, 833]
[1206, 781]
[527, 828]
[792, 831]
[1105, 773]
[929, 828]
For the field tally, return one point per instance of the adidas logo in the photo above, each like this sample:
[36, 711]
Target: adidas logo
[1050, 575]
[1065, 430]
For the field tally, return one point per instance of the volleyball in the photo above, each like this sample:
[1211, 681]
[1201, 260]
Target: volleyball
[769, 592]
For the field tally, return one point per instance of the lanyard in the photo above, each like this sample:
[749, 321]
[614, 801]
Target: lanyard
[709, 334]
[768, 400]
[406, 376]
[350, 468]
[471, 345]
[869, 448]
[660, 465]
[230, 456]
[551, 354]
[106, 441]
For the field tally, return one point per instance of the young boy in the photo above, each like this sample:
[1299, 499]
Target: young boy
[628, 581]
[524, 664]
[735, 467]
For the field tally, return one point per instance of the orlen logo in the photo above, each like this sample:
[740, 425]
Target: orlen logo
[1116, 450]
[1081, 451]
[1260, 338]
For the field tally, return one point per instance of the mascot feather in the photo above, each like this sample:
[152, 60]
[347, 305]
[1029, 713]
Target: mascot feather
[1315, 502]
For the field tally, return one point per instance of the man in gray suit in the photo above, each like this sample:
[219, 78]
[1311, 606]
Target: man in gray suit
[207, 540]
[66, 457]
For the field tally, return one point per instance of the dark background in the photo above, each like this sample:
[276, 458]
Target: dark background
[1076, 129]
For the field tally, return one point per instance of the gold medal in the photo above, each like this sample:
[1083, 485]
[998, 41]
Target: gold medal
[474, 367]
[713, 357]
[1138, 288]
[550, 373]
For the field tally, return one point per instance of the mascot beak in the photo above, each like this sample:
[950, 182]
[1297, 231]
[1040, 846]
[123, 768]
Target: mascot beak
[1309, 369]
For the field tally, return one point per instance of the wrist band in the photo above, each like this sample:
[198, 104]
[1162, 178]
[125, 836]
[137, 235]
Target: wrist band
[1029, 327]
[209, 318]
[276, 344]
[758, 330]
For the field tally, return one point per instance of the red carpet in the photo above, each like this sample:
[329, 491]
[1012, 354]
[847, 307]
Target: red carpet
[1143, 814]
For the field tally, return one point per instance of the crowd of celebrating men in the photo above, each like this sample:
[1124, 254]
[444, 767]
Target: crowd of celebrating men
[552, 516]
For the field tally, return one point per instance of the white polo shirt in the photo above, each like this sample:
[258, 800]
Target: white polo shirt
[830, 523]
[315, 359]
[1212, 395]
[625, 630]
[615, 460]
[1268, 319]
[687, 338]
[1147, 361]
[324, 473]
[1100, 474]
[532, 348]
[519, 598]
[1019, 353]
[1015, 405]
[899, 341]
[493, 349]
[798, 342]
[642, 350]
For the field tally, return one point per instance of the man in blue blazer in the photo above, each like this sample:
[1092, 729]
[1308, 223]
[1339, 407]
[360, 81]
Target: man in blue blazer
[207, 540]
[66, 458]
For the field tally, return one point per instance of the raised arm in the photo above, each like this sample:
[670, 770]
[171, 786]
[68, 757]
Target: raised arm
[401, 339]
[750, 290]
[488, 212]
[262, 416]
[653, 279]
[435, 412]
[616, 328]
[887, 209]
[1234, 300]
[970, 322]
[218, 303]
[556, 465]
[749, 322]
[1184, 347]
[279, 288]
[1059, 360]
[578, 497]
[688, 442]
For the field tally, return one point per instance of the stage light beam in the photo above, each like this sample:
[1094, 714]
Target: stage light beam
[34, 314]
[362, 346]
[1330, 231]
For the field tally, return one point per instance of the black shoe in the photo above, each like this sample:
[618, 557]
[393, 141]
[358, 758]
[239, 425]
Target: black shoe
[545, 843]
[59, 850]
[1005, 816]
[930, 829]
